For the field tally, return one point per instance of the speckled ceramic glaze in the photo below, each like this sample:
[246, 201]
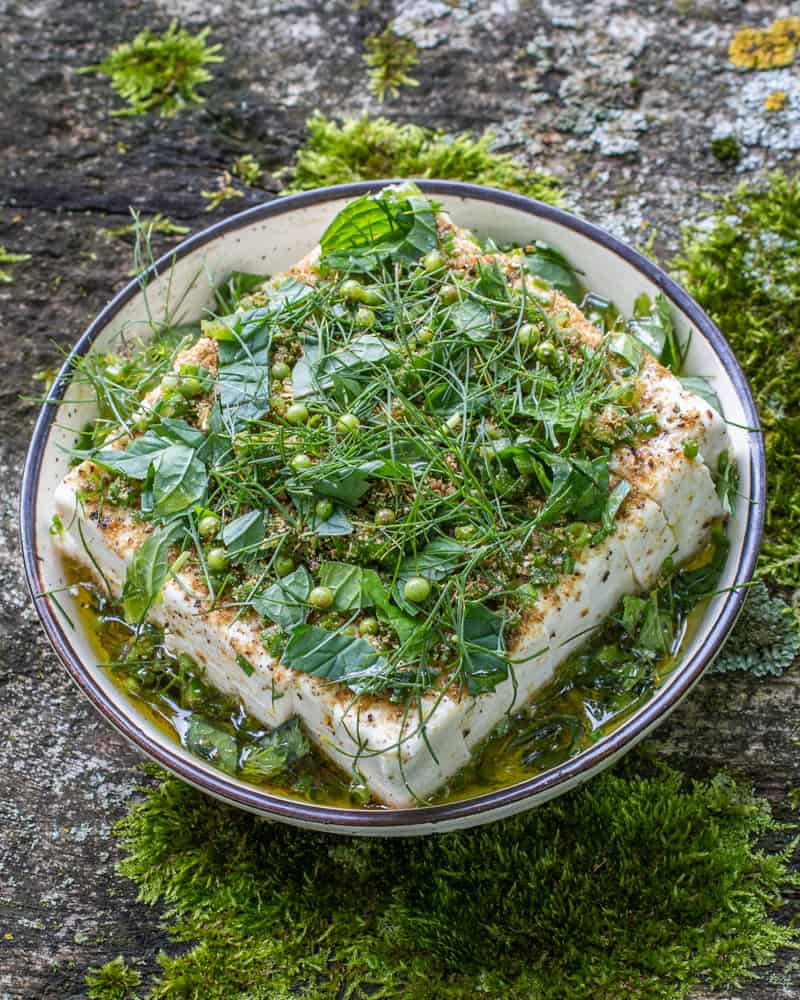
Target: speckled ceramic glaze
[268, 239]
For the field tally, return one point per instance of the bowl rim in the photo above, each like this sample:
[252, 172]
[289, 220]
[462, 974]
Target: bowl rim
[493, 802]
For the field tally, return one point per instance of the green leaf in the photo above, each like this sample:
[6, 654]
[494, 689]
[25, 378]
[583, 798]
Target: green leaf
[691, 586]
[135, 461]
[397, 224]
[180, 481]
[471, 320]
[615, 500]
[727, 482]
[243, 391]
[215, 745]
[700, 386]
[580, 488]
[553, 267]
[492, 282]
[242, 536]
[626, 346]
[286, 602]
[234, 288]
[146, 573]
[653, 327]
[333, 656]
[483, 661]
[276, 751]
[435, 561]
[354, 588]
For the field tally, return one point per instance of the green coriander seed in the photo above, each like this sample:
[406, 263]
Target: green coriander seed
[416, 589]
[297, 413]
[217, 560]
[321, 598]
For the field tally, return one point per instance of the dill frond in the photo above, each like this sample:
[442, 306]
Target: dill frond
[159, 73]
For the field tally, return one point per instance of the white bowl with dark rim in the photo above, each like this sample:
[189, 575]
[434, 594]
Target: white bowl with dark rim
[267, 239]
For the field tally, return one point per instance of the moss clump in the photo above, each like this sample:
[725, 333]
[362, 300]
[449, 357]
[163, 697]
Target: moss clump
[223, 192]
[742, 267]
[7, 257]
[390, 57]
[247, 169]
[632, 885]
[766, 48]
[766, 639]
[369, 148]
[726, 149]
[113, 981]
[159, 72]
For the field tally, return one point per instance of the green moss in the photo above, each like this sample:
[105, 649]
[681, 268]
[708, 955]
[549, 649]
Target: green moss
[7, 257]
[160, 73]
[113, 981]
[369, 148]
[741, 266]
[389, 58]
[726, 149]
[766, 639]
[632, 885]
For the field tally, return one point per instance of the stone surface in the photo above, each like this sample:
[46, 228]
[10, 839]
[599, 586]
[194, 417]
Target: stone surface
[620, 99]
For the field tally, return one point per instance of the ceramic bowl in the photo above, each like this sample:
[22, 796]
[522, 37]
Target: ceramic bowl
[267, 239]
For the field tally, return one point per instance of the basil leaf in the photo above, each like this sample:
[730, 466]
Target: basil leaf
[243, 391]
[180, 481]
[242, 536]
[179, 432]
[471, 320]
[615, 500]
[580, 488]
[286, 602]
[653, 327]
[235, 287]
[135, 461]
[727, 482]
[483, 661]
[435, 561]
[700, 386]
[626, 346]
[212, 744]
[553, 267]
[492, 282]
[397, 224]
[333, 656]
[276, 751]
[146, 572]
[353, 587]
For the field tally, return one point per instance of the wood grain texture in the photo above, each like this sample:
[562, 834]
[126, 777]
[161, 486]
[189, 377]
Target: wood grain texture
[619, 99]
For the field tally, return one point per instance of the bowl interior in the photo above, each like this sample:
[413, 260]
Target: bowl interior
[267, 240]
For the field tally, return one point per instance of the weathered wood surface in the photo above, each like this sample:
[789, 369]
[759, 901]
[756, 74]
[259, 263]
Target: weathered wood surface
[620, 99]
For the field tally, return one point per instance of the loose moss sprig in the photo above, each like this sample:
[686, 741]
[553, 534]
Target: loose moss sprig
[224, 191]
[742, 269]
[113, 981]
[159, 73]
[6, 257]
[247, 169]
[389, 57]
[156, 224]
[552, 904]
[766, 48]
[367, 148]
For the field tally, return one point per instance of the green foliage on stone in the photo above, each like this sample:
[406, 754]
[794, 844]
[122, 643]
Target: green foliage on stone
[159, 73]
[632, 885]
[766, 639]
[389, 58]
[741, 266]
[113, 981]
[7, 257]
[369, 148]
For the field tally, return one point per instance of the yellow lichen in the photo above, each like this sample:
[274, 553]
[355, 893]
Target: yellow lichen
[766, 48]
[775, 101]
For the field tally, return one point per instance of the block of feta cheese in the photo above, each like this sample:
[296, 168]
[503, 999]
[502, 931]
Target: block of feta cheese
[406, 755]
